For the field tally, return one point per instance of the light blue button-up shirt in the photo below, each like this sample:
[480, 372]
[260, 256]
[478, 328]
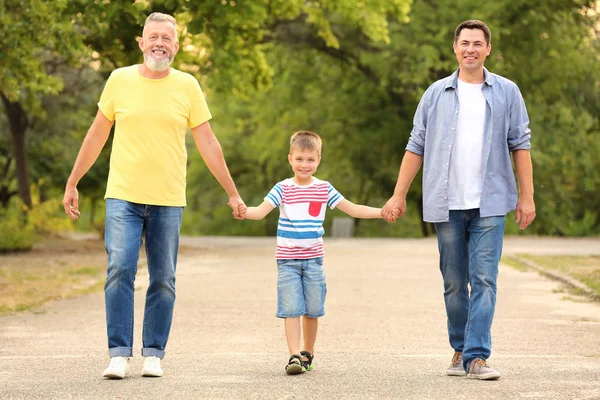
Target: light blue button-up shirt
[506, 130]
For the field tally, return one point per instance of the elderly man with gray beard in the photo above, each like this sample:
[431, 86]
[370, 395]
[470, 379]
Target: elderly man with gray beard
[153, 106]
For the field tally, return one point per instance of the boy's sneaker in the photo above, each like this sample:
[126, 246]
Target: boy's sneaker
[480, 370]
[118, 368]
[152, 367]
[456, 367]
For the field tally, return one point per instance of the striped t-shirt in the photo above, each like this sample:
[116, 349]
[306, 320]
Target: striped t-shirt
[301, 215]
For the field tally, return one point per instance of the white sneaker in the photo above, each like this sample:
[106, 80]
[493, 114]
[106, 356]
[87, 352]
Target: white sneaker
[118, 368]
[152, 367]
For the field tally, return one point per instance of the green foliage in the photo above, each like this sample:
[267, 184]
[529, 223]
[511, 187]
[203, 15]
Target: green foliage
[22, 227]
[18, 234]
[58, 136]
[353, 71]
[48, 218]
[361, 95]
[239, 34]
[31, 32]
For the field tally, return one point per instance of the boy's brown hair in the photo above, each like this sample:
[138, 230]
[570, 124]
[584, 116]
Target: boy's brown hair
[305, 140]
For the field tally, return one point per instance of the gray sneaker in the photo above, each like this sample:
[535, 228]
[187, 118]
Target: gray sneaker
[480, 370]
[456, 368]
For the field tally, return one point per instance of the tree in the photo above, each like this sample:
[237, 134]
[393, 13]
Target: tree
[24, 77]
[364, 93]
[353, 71]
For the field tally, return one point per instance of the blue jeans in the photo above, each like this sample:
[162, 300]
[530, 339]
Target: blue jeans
[470, 249]
[126, 224]
[301, 288]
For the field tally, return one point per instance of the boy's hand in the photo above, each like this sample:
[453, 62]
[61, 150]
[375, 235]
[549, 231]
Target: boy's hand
[391, 218]
[396, 213]
[394, 208]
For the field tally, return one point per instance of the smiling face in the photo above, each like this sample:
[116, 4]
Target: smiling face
[471, 49]
[159, 45]
[304, 163]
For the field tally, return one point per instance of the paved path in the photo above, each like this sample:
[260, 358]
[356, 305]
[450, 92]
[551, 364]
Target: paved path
[384, 335]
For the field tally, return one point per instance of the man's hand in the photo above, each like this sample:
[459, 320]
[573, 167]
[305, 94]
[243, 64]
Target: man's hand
[394, 208]
[235, 202]
[242, 211]
[525, 211]
[71, 202]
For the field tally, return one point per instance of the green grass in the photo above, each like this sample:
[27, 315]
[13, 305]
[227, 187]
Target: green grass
[585, 269]
[55, 269]
[515, 263]
[90, 271]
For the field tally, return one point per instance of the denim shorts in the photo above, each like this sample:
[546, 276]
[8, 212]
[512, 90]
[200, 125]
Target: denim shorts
[301, 288]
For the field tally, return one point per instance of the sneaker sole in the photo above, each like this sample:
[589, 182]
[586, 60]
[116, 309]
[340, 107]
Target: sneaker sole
[456, 373]
[294, 370]
[114, 376]
[151, 374]
[492, 376]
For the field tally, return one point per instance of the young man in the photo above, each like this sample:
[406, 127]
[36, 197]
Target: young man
[465, 128]
[302, 201]
[153, 105]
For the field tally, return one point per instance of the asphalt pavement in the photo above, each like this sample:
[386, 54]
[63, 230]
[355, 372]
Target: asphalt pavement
[383, 336]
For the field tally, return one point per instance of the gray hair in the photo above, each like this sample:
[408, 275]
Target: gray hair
[161, 17]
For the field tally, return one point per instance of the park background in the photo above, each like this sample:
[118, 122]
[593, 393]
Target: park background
[351, 70]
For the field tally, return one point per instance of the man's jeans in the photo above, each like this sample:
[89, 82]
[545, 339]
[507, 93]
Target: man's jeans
[470, 249]
[126, 224]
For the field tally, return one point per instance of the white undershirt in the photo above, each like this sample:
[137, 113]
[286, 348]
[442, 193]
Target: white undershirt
[466, 173]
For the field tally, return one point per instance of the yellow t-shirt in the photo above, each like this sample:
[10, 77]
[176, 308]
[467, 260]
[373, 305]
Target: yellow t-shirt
[148, 159]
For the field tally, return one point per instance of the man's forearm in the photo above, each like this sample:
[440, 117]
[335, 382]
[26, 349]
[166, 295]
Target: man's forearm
[94, 141]
[524, 170]
[212, 154]
[411, 163]
[88, 154]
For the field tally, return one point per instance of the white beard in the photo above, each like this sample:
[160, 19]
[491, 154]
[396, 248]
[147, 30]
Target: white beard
[155, 65]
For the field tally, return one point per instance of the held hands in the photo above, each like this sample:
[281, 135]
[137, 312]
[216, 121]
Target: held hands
[394, 208]
[242, 211]
[71, 202]
[237, 206]
[525, 213]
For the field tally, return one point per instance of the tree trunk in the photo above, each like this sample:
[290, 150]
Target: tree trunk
[5, 196]
[43, 192]
[5, 193]
[17, 120]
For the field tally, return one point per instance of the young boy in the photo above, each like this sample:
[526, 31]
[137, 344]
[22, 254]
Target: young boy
[302, 201]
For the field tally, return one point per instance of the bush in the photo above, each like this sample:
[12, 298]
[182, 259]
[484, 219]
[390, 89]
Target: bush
[18, 234]
[48, 218]
[21, 227]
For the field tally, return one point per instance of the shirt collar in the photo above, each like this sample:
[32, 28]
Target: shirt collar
[452, 81]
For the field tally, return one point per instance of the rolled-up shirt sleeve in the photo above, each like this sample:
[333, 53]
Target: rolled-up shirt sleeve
[519, 134]
[416, 142]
